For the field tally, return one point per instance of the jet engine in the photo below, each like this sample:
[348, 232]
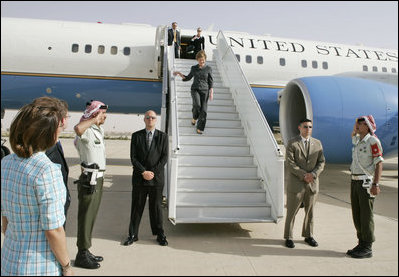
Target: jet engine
[333, 103]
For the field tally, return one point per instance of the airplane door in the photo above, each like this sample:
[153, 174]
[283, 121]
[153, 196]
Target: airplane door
[159, 42]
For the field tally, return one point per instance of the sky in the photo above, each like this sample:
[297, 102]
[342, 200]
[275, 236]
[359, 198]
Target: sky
[367, 23]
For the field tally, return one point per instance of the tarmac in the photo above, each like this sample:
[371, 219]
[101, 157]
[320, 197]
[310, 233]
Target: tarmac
[245, 249]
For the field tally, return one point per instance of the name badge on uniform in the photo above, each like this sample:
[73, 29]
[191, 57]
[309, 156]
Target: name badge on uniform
[97, 142]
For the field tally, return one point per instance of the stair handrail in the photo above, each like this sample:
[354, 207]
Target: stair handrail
[164, 80]
[174, 132]
[270, 163]
[173, 102]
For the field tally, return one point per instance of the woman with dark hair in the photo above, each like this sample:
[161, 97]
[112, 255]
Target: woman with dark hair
[33, 195]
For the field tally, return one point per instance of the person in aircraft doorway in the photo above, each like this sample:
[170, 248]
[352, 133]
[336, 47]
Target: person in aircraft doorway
[201, 89]
[198, 41]
[174, 39]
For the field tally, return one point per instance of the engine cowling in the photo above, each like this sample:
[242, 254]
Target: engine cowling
[333, 103]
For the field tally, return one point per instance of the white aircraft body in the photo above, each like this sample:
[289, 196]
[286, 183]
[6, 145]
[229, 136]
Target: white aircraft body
[121, 65]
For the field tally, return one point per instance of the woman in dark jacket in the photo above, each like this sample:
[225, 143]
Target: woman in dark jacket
[201, 89]
[198, 42]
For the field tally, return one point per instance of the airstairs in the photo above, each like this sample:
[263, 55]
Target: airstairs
[220, 176]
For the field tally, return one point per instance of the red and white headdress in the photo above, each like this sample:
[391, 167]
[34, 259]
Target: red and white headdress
[369, 119]
[91, 109]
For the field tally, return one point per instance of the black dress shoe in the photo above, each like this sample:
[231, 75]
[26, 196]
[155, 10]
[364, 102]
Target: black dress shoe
[161, 239]
[130, 240]
[289, 243]
[83, 260]
[94, 257]
[311, 242]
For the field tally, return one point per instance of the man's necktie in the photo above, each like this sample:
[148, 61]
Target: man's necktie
[174, 36]
[149, 140]
[307, 147]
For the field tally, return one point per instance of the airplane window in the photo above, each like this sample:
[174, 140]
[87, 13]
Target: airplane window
[314, 64]
[238, 57]
[375, 69]
[260, 60]
[248, 59]
[114, 50]
[126, 51]
[365, 68]
[393, 70]
[75, 48]
[304, 63]
[88, 48]
[384, 69]
[325, 65]
[282, 61]
[101, 49]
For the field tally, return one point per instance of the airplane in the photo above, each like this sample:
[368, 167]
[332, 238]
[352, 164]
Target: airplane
[121, 65]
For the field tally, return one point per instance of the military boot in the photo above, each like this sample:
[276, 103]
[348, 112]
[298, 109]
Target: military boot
[350, 251]
[364, 251]
[83, 260]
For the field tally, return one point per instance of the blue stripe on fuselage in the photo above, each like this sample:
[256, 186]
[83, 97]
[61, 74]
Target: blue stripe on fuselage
[130, 96]
[122, 96]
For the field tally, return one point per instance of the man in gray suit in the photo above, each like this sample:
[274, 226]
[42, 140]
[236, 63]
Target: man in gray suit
[305, 161]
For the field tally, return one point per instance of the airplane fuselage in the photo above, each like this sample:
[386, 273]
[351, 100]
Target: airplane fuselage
[121, 64]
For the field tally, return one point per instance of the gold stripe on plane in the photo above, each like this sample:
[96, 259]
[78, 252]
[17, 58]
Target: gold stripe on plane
[78, 76]
[266, 86]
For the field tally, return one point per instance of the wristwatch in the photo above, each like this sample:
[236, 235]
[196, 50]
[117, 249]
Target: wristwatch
[376, 184]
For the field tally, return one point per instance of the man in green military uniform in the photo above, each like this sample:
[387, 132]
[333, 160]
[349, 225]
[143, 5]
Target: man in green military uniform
[90, 144]
[366, 170]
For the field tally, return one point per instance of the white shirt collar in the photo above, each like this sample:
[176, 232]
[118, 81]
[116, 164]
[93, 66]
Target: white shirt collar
[303, 139]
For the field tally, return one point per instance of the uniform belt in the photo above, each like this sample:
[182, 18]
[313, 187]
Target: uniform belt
[359, 177]
[99, 173]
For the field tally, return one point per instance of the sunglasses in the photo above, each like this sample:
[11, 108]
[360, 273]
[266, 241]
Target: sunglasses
[152, 117]
[307, 127]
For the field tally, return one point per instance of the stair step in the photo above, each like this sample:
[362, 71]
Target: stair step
[217, 213]
[214, 150]
[216, 95]
[213, 123]
[214, 140]
[217, 172]
[210, 103]
[216, 89]
[237, 184]
[215, 160]
[210, 115]
[212, 131]
[211, 108]
[223, 220]
[221, 198]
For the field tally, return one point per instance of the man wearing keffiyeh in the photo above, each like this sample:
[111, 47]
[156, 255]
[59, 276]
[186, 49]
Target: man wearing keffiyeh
[90, 144]
[366, 170]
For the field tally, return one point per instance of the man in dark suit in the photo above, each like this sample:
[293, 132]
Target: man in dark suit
[174, 37]
[149, 154]
[305, 161]
[56, 155]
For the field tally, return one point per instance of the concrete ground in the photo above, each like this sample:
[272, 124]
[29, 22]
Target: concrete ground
[235, 249]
